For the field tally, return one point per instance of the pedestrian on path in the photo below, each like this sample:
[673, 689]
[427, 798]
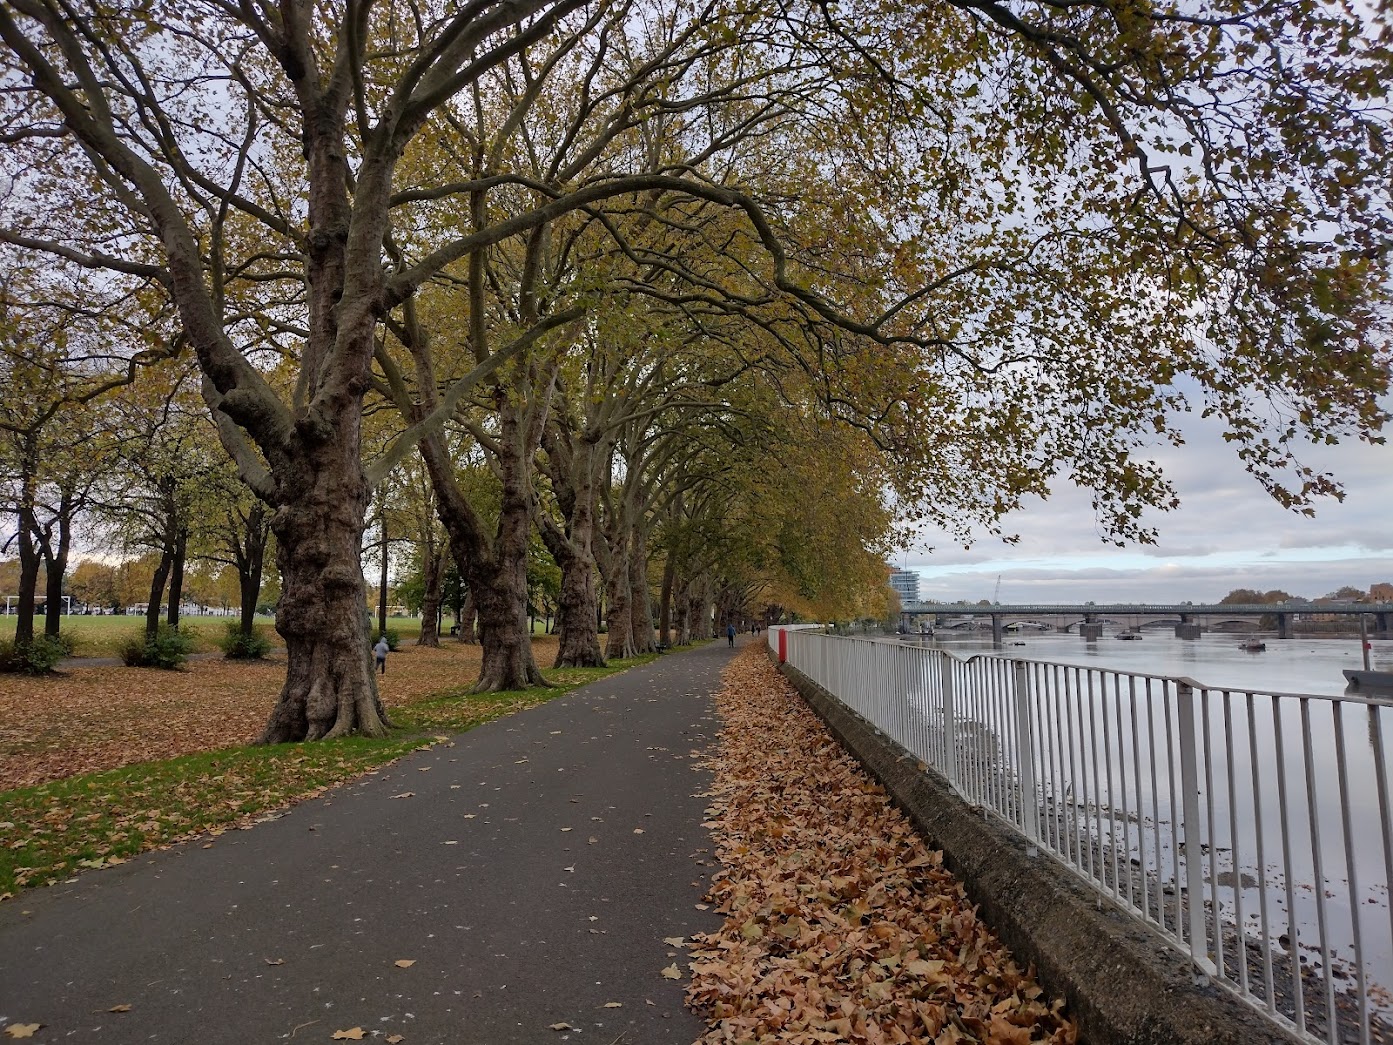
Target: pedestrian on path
[380, 651]
[730, 635]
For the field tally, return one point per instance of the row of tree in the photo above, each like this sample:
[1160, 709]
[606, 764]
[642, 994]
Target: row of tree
[702, 284]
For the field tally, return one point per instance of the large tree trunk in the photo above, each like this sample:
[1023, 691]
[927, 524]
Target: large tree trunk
[28, 552]
[665, 601]
[619, 621]
[329, 689]
[495, 571]
[382, 573]
[466, 620]
[251, 560]
[56, 568]
[152, 605]
[176, 575]
[640, 601]
[576, 613]
[433, 566]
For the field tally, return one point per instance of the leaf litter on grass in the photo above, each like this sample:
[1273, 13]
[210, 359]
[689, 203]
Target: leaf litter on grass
[841, 925]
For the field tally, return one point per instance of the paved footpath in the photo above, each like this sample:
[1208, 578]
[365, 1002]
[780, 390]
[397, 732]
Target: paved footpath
[531, 879]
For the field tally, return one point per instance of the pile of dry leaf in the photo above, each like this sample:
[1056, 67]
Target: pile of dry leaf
[841, 925]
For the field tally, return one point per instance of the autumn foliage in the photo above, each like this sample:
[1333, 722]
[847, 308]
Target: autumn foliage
[841, 924]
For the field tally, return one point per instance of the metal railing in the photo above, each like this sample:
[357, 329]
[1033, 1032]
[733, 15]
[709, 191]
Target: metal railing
[1252, 829]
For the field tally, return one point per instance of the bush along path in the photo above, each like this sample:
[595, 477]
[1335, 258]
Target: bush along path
[841, 925]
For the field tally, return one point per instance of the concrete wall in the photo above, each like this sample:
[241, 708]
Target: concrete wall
[1121, 981]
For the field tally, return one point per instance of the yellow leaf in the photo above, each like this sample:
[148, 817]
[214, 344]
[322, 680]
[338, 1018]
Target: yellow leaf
[671, 973]
[613, 1005]
[352, 1034]
[404, 963]
[119, 1008]
[392, 1039]
[274, 961]
[674, 941]
[22, 1030]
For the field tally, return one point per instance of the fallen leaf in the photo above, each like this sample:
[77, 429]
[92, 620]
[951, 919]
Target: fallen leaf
[352, 1034]
[404, 963]
[638, 830]
[671, 973]
[274, 961]
[559, 1026]
[119, 1008]
[613, 1005]
[564, 830]
[393, 1039]
[406, 794]
[22, 1030]
[675, 941]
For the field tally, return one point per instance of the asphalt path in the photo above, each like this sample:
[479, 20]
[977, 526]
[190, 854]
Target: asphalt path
[530, 878]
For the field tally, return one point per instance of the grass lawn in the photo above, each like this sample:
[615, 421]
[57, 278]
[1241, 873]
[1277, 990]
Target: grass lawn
[102, 636]
[104, 763]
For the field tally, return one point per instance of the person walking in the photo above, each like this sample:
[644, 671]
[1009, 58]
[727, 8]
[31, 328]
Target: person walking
[730, 635]
[380, 652]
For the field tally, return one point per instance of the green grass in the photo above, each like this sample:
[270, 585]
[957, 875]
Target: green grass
[102, 636]
[54, 830]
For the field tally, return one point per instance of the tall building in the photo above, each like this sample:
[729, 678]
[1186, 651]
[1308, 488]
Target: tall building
[906, 585]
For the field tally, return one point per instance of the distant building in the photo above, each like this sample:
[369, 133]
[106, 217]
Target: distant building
[906, 585]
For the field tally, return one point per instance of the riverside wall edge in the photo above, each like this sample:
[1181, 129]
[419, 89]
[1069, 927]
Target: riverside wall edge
[1122, 982]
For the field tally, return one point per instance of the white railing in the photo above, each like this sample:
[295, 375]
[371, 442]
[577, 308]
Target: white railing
[1252, 829]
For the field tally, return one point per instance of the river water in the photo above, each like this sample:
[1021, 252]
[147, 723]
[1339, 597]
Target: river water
[1296, 844]
[1299, 665]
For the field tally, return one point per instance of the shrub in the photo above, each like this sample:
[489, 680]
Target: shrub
[237, 645]
[167, 649]
[393, 639]
[33, 658]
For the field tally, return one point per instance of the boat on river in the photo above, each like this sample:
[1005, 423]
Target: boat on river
[1252, 646]
[1128, 636]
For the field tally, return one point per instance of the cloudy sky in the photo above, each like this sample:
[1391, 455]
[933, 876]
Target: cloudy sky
[1227, 534]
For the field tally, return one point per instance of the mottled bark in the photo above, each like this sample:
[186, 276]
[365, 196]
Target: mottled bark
[640, 599]
[466, 620]
[433, 574]
[665, 601]
[329, 689]
[496, 570]
[576, 614]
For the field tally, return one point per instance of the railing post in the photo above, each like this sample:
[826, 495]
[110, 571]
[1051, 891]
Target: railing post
[950, 729]
[1190, 803]
[1025, 759]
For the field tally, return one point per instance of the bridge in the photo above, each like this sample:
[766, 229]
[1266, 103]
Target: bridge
[1187, 618]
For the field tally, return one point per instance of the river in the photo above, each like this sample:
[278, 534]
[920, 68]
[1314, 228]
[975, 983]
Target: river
[1299, 665]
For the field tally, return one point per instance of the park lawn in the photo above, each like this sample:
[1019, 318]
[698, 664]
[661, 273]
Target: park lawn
[54, 829]
[103, 636]
[88, 719]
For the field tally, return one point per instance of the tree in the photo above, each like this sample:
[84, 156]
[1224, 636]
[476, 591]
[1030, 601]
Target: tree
[886, 192]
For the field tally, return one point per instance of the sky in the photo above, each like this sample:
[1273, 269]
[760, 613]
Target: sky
[1228, 533]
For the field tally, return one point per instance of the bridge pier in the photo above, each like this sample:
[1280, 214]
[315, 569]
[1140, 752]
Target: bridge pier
[1382, 622]
[1187, 630]
[1090, 631]
[1283, 625]
[998, 629]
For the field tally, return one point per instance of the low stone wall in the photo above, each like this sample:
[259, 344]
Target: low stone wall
[1121, 981]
